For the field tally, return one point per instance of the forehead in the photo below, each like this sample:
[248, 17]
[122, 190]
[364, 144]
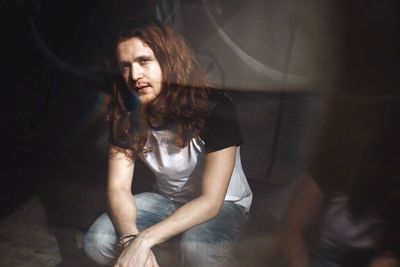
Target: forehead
[133, 48]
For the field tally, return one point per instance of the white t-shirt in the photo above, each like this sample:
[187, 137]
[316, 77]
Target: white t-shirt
[178, 171]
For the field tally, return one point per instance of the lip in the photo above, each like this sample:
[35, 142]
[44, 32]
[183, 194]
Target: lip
[143, 90]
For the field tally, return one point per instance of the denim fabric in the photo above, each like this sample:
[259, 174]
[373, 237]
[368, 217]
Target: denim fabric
[207, 244]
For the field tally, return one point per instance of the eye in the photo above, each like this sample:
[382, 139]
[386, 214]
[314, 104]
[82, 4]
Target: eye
[144, 61]
[123, 66]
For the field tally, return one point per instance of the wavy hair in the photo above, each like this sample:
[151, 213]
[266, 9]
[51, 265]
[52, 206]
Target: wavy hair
[184, 99]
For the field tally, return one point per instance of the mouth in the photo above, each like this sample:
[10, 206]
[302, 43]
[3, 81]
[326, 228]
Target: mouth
[142, 89]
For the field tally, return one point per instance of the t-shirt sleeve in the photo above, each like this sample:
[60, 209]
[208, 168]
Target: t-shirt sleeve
[221, 127]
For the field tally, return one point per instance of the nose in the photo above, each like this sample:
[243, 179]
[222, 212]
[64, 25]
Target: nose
[136, 72]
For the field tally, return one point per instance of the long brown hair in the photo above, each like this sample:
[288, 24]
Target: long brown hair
[184, 99]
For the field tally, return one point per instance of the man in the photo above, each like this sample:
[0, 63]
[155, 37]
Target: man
[164, 111]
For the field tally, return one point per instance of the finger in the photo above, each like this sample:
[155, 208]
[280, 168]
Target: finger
[118, 263]
[154, 260]
[149, 263]
[155, 263]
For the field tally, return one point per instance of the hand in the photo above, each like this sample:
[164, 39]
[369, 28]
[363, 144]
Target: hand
[137, 254]
[152, 262]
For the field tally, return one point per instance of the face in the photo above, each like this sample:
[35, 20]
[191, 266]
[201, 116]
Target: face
[140, 69]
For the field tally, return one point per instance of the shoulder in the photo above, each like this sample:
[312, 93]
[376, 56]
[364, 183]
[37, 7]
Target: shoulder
[221, 128]
[222, 107]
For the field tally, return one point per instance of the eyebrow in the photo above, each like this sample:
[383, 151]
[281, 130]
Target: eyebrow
[139, 58]
[143, 58]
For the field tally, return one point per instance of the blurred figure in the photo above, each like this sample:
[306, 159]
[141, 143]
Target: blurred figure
[345, 211]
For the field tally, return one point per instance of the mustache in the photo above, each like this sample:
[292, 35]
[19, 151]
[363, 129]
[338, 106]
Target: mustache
[142, 84]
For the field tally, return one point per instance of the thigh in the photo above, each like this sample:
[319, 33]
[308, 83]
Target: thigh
[211, 243]
[225, 227]
[100, 242]
[152, 208]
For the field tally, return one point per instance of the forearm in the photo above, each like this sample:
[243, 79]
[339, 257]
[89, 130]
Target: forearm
[218, 168]
[123, 211]
[302, 210]
[189, 215]
[293, 248]
[216, 176]
[387, 259]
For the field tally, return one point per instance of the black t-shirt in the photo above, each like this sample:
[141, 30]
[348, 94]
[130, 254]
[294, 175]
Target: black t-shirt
[221, 127]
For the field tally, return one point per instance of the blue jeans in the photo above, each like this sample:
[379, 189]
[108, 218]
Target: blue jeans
[207, 244]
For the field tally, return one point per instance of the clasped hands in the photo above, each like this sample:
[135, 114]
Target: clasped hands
[137, 253]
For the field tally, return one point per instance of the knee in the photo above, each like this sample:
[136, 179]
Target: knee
[201, 254]
[100, 247]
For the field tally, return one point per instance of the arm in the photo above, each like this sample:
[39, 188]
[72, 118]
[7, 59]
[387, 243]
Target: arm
[386, 259]
[121, 204]
[217, 173]
[304, 206]
[216, 176]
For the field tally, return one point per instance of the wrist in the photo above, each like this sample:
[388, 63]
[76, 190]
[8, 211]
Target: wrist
[146, 237]
[126, 228]
[127, 239]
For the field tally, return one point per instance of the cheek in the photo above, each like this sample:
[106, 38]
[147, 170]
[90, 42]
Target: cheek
[158, 75]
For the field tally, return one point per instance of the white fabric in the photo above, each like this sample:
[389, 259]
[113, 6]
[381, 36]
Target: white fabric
[341, 232]
[178, 171]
